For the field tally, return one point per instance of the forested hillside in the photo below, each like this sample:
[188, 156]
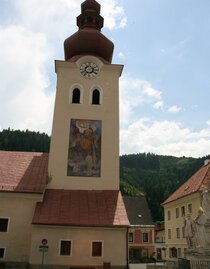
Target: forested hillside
[16, 140]
[154, 176]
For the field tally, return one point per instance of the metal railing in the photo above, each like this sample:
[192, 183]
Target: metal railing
[200, 264]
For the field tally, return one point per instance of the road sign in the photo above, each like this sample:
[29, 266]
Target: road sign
[44, 242]
[43, 249]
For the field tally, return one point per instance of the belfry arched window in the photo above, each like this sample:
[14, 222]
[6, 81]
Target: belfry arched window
[76, 96]
[96, 97]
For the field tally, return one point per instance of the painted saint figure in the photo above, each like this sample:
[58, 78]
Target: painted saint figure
[84, 148]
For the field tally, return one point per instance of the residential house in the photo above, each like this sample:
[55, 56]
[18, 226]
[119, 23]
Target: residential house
[142, 229]
[185, 200]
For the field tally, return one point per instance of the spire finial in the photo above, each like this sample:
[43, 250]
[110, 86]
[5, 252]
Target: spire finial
[90, 15]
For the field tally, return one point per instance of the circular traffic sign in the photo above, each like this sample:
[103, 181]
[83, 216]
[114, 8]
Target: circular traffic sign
[44, 242]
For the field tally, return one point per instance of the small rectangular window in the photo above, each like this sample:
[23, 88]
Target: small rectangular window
[145, 237]
[169, 233]
[177, 212]
[4, 224]
[130, 237]
[2, 252]
[177, 232]
[190, 208]
[183, 232]
[169, 215]
[179, 253]
[65, 247]
[183, 211]
[97, 248]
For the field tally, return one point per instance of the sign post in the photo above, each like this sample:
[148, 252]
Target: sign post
[43, 248]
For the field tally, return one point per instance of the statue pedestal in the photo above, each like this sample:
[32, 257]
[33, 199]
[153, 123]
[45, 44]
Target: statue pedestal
[199, 257]
[198, 254]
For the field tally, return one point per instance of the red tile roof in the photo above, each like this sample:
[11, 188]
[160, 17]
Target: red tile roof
[81, 208]
[200, 179]
[24, 172]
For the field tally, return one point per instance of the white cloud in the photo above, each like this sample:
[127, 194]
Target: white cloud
[114, 14]
[164, 137]
[208, 122]
[134, 93]
[24, 102]
[29, 41]
[174, 109]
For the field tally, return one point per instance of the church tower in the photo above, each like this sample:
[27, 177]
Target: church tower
[84, 152]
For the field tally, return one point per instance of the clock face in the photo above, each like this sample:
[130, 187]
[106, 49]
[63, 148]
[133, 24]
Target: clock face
[89, 69]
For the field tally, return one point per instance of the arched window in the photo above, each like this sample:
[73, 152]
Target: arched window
[76, 96]
[96, 97]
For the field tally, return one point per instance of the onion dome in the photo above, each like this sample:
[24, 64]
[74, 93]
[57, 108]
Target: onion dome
[89, 40]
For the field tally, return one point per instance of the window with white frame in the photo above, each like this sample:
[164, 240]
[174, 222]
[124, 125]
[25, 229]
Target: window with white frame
[145, 237]
[169, 233]
[2, 253]
[177, 232]
[65, 247]
[179, 253]
[96, 97]
[75, 99]
[182, 211]
[97, 249]
[183, 232]
[177, 212]
[130, 237]
[4, 222]
[169, 214]
[189, 208]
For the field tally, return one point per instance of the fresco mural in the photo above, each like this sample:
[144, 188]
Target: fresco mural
[84, 157]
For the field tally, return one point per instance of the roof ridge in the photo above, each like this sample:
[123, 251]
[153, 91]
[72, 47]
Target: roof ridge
[192, 185]
[207, 170]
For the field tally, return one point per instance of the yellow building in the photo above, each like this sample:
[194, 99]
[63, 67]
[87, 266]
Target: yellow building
[69, 211]
[185, 200]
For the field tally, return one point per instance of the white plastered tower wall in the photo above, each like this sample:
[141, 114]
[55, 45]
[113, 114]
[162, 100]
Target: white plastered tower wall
[107, 82]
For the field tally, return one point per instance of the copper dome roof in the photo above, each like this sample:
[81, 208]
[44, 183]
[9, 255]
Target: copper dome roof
[89, 40]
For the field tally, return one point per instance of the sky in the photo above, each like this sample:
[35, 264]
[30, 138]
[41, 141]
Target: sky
[165, 86]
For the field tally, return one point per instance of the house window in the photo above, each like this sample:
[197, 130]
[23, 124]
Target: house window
[145, 237]
[130, 237]
[183, 232]
[190, 208]
[76, 96]
[97, 248]
[179, 252]
[173, 252]
[182, 211]
[169, 233]
[2, 252]
[4, 224]
[65, 247]
[177, 232]
[96, 97]
[177, 212]
[169, 214]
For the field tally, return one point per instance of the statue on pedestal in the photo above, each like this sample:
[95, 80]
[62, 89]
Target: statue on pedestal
[205, 196]
[200, 230]
[189, 229]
